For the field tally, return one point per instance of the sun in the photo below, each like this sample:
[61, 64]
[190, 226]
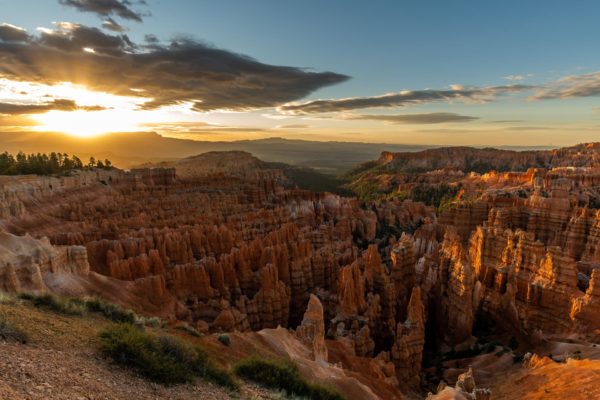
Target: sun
[87, 123]
[94, 112]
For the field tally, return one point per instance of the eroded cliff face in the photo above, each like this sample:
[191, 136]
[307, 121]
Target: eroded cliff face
[26, 262]
[532, 259]
[390, 280]
[468, 159]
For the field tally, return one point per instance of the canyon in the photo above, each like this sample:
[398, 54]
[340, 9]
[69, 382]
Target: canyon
[446, 259]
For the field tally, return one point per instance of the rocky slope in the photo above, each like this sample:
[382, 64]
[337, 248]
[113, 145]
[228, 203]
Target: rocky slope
[389, 292]
[469, 159]
[243, 164]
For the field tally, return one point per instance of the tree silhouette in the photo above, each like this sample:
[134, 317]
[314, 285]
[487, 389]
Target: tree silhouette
[44, 164]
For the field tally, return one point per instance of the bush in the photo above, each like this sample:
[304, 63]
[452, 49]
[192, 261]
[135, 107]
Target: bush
[153, 322]
[283, 376]
[57, 304]
[110, 311]
[224, 338]
[163, 359]
[9, 332]
[73, 306]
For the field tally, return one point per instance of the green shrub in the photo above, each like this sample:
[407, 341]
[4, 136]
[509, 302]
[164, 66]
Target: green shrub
[283, 376]
[224, 338]
[163, 359]
[57, 304]
[153, 322]
[74, 306]
[110, 310]
[9, 332]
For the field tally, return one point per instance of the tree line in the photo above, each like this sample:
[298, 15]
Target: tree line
[46, 164]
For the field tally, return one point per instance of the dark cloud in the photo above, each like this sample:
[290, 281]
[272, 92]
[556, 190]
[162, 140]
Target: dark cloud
[106, 8]
[151, 39]
[182, 71]
[399, 99]
[112, 25]
[427, 118]
[73, 38]
[11, 33]
[585, 85]
[58, 105]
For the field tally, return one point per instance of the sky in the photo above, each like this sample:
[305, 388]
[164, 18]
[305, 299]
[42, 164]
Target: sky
[415, 72]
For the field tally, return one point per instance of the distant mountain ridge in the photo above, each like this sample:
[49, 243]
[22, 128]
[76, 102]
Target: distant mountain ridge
[129, 149]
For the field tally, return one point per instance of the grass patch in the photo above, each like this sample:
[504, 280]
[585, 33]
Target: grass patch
[74, 306]
[153, 322]
[110, 311]
[163, 359]
[54, 303]
[11, 333]
[282, 375]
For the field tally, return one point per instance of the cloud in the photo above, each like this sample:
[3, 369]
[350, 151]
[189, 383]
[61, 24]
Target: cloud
[71, 37]
[293, 126]
[514, 77]
[400, 99]
[112, 25]
[11, 33]
[57, 105]
[427, 118]
[528, 128]
[183, 71]
[197, 128]
[572, 86]
[106, 8]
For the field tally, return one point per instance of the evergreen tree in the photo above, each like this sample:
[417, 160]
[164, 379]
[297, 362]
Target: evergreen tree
[44, 164]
